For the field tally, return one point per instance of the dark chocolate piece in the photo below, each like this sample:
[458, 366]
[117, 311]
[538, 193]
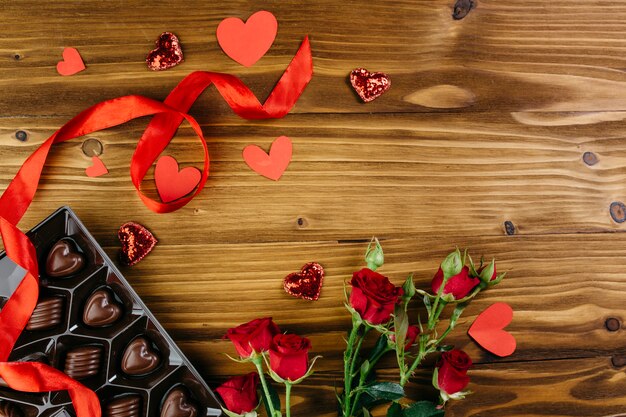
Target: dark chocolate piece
[64, 259]
[47, 314]
[178, 404]
[83, 362]
[140, 358]
[9, 409]
[127, 406]
[101, 309]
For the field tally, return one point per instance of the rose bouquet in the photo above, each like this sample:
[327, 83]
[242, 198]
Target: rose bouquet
[377, 306]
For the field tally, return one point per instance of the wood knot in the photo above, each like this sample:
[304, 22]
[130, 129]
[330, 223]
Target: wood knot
[302, 222]
[618, 211]
[619, 360]
[612, 324]
[590, 158]
[92, 147]
[21, 135]
[17, 56]
[462, 8]
[509, 227]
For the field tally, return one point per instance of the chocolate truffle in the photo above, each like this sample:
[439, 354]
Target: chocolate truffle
[140, 358]
[178, 404]
[127, 406]
[47, 314]
[83, 362]
[64, 259]
[8, 409]
[101, 309]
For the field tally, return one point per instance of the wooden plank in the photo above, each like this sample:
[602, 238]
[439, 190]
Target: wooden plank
[351, 177]
[515, 56]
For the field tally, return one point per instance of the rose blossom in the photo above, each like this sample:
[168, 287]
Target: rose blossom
[453, 367]
[458, 285]
[289, 356]
[373, 296]
[253, 337]
[240, 393]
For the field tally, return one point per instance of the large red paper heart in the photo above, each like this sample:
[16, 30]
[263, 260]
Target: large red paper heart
[487, 330]
[307, 283]
[369, 86]
[97, 169]
[167, 53]
[271, 165]
[247, 42]
[171, 183]
[72, 62]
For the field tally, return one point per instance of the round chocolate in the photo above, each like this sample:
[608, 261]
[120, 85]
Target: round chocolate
[140, 358]
[47, 314]
[178, 404]
[83, 362]
[127, 406]
[9, 409]
[64, 259]
[101, 309]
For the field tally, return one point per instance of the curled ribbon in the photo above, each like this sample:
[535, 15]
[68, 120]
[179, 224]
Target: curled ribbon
[168, 115]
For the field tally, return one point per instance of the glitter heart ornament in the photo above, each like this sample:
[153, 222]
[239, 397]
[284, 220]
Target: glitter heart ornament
[167, 53]
[307, 283]
[369, 86]
[137, 242]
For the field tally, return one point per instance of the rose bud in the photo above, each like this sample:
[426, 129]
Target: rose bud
[374, 257]
[373, 296]
[411, 336]
[452, 371]
[458, 285]
[289, 356]
[488, 273]
[240, 393]
[253, 337]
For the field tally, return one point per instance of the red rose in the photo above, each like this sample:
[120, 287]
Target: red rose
[458, 285]
[493, 276]
[411, 336]
[240, 393]
[453, 367]
[289, 356]
[255, 336]
[373, 296]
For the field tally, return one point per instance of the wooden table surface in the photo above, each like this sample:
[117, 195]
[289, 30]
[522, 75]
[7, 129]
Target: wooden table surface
[479, 143]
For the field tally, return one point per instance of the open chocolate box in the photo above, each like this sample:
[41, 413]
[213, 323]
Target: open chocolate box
[90, 324]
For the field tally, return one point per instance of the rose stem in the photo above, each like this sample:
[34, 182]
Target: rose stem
[257, 360]
[288, 398]
[347, 362]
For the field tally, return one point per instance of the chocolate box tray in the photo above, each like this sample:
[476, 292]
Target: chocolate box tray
[93, 354]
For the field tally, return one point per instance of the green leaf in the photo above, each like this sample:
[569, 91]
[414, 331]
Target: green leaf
[381, 345]
[458, 310]
[394, 410]
[366, 412]
[273, 397]
[400, 326]
[428, 305]
[365, 367]
[389, 391]
[230, 413]
[445, 348]
[423, 409]
[487, 273]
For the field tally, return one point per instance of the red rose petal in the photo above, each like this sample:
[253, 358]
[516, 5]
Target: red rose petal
[137, 242]
[167, 54]
[307, 283]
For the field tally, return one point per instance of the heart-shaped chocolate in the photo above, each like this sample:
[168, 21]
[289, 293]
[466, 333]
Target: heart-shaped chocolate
[307, 283]
[178, 404]
[167, 53]
[140, 358]
[369, 86]
[64, 259]
[137, 242]
[101, 309]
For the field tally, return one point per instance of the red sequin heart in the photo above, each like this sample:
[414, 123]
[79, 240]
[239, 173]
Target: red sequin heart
[137, 242]
[167, 54]
[369, 86]
[307, 283]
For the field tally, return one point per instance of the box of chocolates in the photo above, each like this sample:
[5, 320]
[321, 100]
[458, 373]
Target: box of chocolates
[91, 325]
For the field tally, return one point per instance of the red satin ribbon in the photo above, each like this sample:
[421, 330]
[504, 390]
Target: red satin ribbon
[37, 377]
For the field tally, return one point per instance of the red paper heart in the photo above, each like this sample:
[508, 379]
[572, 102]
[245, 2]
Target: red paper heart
[167, 53]
[307, 283]
[271, 165]
[247, 42]
[137, 242]
[487, 330]
[97, 169]
[171, 183]
[369, 86]
[72, 62]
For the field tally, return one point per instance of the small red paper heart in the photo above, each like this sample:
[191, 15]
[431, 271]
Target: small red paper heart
[72, 62]
[247, 42]
[137, 242]
[307, 283]
[171, 183]
[369, 86]
[271, 165]
[167, 53]
[487, 330]
[97, 169]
